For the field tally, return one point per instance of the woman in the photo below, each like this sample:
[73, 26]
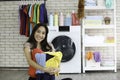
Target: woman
[38, 42]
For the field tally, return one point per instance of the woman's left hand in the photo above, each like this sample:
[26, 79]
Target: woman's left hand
[56, 70]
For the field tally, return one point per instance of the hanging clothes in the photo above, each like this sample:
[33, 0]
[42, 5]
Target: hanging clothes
[26, 10]
[30, 15]
[22, 19]
[38, 13]
[35, 14]
[30, 18]
[43, 14]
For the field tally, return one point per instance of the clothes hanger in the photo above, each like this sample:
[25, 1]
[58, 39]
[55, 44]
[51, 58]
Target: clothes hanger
[45, 2]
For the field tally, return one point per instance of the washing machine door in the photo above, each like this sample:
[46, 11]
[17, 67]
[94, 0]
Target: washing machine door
[66, 46]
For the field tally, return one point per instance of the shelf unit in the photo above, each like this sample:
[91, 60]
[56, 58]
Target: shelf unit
[106, 49]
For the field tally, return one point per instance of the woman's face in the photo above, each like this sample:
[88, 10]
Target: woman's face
[40, 34]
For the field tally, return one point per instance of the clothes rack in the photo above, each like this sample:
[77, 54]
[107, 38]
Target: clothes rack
[30, 15]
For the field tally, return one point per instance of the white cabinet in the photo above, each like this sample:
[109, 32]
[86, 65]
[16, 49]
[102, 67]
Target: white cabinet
[99, 38]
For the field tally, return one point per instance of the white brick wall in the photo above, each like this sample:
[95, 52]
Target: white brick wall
[11, 42]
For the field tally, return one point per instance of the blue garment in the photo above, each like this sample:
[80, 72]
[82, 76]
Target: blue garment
[41, 59]
[43, 14]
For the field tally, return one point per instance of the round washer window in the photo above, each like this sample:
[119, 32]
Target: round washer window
[66, 46]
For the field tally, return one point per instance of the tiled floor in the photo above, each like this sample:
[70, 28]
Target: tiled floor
[22, 75]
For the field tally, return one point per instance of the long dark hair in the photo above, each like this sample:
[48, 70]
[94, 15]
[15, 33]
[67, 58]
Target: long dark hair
[44, 44]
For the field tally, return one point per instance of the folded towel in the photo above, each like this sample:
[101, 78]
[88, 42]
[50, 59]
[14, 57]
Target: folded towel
[97, 56]
[89, 55]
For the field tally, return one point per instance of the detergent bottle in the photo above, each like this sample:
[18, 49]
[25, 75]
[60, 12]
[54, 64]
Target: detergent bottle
[75, 20]
[56, 19]
[61, 19]
[68, 20]
[51, 19]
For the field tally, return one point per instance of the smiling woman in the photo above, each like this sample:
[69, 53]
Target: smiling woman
[38, 41]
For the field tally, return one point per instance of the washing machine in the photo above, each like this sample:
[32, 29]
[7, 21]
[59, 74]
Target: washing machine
[67, 39]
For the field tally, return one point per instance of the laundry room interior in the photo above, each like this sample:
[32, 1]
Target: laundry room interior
[85, 31]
